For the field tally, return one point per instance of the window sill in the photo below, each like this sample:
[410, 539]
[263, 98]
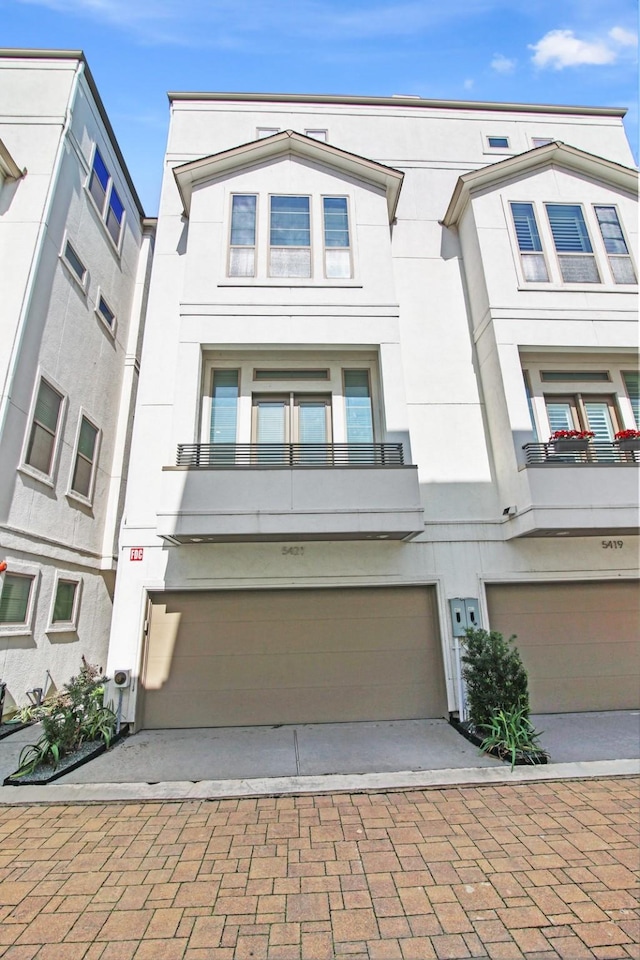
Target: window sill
[34, 474]
[15, 630]
[59, 628]
[578, 287]
[116, 248]
[307, 282]
[79, 499]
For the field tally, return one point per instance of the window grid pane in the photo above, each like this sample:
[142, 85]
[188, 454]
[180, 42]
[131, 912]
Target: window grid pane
[64, 601]
[224, 407]
[14, 600]
[74, 262]
[359, 412]
[290, 224]
[568, 228]
[243, 221]
[44, 428]
[632, 383]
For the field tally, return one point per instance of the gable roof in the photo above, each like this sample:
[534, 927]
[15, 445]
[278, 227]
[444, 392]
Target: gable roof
[289, 143]
[555, 154]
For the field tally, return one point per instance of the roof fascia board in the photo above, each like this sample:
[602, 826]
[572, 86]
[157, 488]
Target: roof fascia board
[553, 154]
[7, 53]
[400, 102]
[280, 144]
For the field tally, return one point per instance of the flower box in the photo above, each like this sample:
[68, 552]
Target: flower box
[570, 445]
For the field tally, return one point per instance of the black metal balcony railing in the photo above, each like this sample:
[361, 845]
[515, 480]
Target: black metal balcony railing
[566, 453]
[231, 455]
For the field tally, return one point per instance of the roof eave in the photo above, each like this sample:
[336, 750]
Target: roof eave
[552, 153]
[288, 141]
[8, 166]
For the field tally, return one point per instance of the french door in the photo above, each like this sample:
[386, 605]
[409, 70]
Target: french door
[292, 419]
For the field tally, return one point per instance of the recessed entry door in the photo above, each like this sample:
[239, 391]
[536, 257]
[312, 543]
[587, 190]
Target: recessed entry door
[293, 418]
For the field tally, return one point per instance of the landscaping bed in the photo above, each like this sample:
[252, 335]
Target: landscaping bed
[46, 773]
[522, 758]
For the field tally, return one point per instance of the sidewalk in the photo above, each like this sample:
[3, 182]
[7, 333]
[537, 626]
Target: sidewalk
[542, 871]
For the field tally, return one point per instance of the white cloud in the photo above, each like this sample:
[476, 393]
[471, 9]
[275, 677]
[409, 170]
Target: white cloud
[468, 84]
[561, 48]
[624, 37]
[502, 64]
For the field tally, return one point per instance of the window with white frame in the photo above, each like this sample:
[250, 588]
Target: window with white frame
[242, 246]
[292, 403]
[580, 236]
[581, 395]
[106, 198]
[289, 236]
[540, 141]
[262, 132]
[572, 242]
[44, 431]
[295, 247]
[497, 142]
[18, 588]
[106, 314]
[85, 460]
[532, 259]
[74, 264]
[65, 604]
[317, 135]
[615, 244]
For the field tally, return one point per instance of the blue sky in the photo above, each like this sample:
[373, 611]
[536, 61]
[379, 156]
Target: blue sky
[543, 51]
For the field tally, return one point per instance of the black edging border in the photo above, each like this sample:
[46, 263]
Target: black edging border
[61, 770]
[532, 759]
[6, 729]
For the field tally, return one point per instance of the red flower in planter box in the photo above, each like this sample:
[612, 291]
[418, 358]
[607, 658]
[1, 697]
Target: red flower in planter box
[572, 435]
[627, 435]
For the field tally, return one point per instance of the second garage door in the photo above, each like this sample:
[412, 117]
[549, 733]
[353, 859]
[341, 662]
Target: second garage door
[292, 656]
[578, 641]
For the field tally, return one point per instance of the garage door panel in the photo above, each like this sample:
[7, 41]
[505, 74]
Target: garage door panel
[578, 641]
[321, 706]
[216, 659]
[594, 660]
[272, 672]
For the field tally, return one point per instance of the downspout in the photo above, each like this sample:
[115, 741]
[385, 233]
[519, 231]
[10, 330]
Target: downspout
[21, 327]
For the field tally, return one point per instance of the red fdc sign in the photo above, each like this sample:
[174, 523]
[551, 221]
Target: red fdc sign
[136, 553]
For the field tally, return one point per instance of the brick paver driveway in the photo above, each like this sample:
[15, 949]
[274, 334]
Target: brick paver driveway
[539, 870]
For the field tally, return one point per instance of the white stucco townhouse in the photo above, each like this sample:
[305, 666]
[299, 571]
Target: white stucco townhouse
[366, 318]
[75, 252]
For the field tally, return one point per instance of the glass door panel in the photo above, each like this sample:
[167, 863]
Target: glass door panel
[312, 425]
[271, 427]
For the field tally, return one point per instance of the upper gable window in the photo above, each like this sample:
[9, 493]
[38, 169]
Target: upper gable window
[337, 248]
[540, 141]
[572, 243]
[263, 132]
[289, 237]
[615, 245]
[530, 246]
[105, 197]
[242, 249]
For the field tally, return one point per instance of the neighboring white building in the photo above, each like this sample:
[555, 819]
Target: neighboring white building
[75, 255]
[366, 317]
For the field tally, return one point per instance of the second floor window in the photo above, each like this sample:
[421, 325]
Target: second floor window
[531, 255]
[44, 429]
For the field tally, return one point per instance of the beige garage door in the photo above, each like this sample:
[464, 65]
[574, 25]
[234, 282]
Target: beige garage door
[292, 656]
[578, 641]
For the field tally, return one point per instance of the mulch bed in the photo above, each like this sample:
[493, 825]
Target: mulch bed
[522, 759]
[71, 761]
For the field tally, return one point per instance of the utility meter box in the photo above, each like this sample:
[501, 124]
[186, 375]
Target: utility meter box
[465, 612]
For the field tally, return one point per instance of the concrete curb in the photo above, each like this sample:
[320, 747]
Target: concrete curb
[335, 783]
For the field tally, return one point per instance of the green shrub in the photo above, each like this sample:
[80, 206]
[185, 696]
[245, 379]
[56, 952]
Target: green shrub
[74, 716]
[512, 735]
[495, 677]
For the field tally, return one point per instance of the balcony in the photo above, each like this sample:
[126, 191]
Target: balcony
[577, 492]
[289, 491]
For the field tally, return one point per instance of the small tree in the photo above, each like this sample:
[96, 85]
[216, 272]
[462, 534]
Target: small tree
[495, 676]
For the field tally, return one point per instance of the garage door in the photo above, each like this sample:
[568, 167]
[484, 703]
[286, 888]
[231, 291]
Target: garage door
[292, 656]
[578, 641]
